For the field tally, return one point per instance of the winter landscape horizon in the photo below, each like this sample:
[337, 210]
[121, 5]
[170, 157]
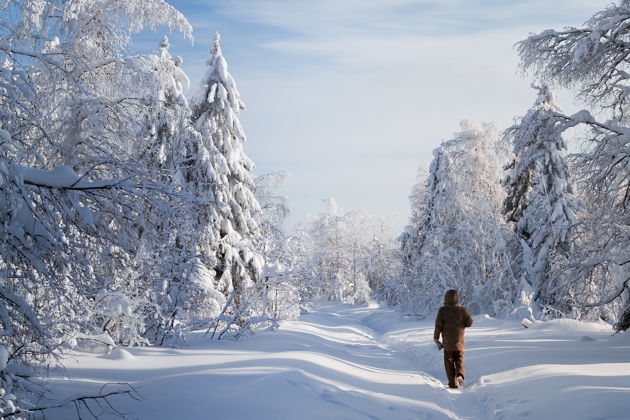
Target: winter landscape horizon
[290, 209]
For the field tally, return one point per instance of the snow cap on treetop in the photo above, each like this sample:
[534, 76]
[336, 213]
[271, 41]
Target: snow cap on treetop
[546, 97]
[6, 64]
[164, 47]
[468, 125]
[216, 44]
[164, 43]
[332, 208]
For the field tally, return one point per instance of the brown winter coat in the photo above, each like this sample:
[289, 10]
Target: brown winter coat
[451, 321]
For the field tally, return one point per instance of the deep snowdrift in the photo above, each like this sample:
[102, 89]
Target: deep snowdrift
[343, 362]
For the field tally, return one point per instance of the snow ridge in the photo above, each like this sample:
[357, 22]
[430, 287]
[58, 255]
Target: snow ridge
[339, 361]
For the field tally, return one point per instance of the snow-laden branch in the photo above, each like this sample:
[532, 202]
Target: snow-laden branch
[585, 117]
[82, 401]
[39, 56]
[608, 299]
[23, 308]
[63, 177]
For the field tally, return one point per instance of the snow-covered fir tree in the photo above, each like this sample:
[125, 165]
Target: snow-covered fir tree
[456, 238]
[167, 109]
[228, 183]
[592, 60]
[539, 199]
[180, 288]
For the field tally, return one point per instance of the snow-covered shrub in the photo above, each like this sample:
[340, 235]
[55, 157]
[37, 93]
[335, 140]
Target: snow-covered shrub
[120, 317]
[280, 301]
[280, 297]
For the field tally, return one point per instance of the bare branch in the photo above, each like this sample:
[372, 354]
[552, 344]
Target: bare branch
[102, 397]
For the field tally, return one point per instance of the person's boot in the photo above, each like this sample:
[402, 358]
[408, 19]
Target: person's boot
[460, 381]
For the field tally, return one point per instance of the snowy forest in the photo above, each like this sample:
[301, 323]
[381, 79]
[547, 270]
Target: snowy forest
[131, 215]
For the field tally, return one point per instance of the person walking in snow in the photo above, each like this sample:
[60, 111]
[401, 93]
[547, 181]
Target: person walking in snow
[450, 322]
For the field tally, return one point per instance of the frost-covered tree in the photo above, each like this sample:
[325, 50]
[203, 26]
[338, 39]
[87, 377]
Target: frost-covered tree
[168, 264]
[73, 102]
[383, 265]
[272, 216]
[457, 238]
[412, 237]
[49, 224]
[411, 240]
[85, 108]
[539, 198]
[593, 59]
[88, 90]
[221, 173]
[280, 292]
[330, 258]
[166, 114]
[338, 255]
[418, 196]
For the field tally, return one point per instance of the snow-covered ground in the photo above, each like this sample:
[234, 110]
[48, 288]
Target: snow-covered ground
[344, 362]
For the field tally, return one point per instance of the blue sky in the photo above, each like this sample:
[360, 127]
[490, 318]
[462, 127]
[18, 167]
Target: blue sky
[349, 96]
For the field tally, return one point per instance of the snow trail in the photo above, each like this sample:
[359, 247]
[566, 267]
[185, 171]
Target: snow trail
[344, 362]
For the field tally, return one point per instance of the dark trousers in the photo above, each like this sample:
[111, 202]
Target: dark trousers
[454, 365]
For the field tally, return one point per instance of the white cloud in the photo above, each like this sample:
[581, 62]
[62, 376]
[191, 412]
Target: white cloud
[329, 18]
[358, 92]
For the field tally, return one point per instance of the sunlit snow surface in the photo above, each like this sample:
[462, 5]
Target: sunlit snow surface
[343, 362]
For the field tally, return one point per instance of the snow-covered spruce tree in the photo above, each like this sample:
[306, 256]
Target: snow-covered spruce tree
[220, 172]
[539, 198]
[459, 238]
[593, 59]
[166, 111]
[168, 264]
